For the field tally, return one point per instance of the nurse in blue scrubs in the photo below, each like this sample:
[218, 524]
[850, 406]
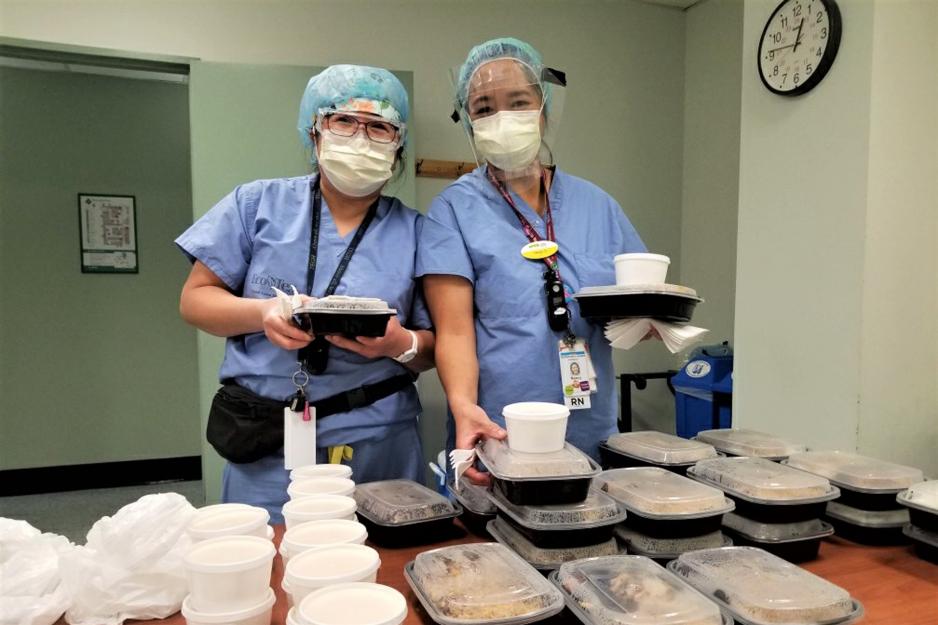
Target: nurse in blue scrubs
[259, 237]
[498, 338]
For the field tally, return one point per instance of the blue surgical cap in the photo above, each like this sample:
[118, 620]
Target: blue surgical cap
[501, 48]
[367, 89]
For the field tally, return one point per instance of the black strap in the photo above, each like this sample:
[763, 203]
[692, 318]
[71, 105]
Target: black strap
[313, 357]
[362, 396]
[340, 402]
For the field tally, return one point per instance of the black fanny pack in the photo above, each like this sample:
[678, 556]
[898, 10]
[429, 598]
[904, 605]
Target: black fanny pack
[245, 427]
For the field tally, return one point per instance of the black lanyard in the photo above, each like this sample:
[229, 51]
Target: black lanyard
[315, 356]
[558, 315]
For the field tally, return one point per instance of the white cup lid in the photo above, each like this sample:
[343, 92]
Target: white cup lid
[228, 617]
[374, 605]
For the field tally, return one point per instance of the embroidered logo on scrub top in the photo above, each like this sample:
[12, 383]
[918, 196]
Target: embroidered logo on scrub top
[264, 285]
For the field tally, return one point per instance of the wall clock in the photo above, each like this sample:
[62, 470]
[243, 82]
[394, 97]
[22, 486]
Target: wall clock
[798, 45]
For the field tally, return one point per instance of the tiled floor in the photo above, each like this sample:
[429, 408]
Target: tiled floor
[73, 513]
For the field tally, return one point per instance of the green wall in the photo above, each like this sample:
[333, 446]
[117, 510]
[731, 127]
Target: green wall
[94, 368]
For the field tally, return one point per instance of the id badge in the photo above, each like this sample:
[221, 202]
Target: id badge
[299, 437]
[576, 374]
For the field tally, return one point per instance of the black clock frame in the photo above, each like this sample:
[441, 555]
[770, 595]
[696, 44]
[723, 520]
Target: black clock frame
[827, 59]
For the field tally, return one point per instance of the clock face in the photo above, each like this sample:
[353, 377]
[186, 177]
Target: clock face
[798, 45]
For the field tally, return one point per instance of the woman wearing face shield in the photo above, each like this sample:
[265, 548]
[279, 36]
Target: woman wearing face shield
[328, 233]
[503, 319]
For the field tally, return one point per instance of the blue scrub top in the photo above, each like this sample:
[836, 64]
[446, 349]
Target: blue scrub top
[257, 238]
[471, 231]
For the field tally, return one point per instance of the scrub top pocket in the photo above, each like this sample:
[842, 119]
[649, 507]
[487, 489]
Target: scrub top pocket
[594, 270]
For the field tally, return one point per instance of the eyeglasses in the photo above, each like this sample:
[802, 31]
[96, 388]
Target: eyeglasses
[345, 125]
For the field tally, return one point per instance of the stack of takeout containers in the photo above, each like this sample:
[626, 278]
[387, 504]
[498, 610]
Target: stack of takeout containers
[477, 508]
[758, 588]
[750, 443]
[548, 536]
[867, 510]
[547, 512]
[653, 449]
[229, 581]
[530, 479]
[229, 566]
[403, 512]
[668, 513]
[632, 590]
[481, 583]
[922, 501]
[778, 508]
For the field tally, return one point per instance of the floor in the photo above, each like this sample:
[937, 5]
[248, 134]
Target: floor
[72, 514]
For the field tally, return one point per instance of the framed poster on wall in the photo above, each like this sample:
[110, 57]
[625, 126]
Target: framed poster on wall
[108, 225]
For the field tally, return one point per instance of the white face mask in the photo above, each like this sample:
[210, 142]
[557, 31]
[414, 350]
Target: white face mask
[509, 140]
[355, 165]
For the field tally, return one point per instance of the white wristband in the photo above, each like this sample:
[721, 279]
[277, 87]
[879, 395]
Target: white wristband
[411, 353]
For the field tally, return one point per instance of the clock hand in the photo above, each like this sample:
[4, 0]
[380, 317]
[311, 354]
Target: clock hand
[798, 36]
[791, 45]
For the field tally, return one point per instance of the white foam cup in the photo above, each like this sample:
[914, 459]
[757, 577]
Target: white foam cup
[229, 573]
[326, 566]
[536, 427]
[318, 508]
[633, 269]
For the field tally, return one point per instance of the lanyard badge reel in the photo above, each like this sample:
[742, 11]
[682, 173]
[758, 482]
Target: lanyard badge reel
[557, 314]
[299, 417]
[299, 426]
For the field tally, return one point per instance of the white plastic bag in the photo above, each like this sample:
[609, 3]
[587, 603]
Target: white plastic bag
[132, 565]
[30, 588]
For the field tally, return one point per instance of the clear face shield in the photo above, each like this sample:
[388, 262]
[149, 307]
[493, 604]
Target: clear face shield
[511, 113]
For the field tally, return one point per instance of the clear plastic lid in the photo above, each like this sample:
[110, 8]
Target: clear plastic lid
[645, 545]
[541, 557]
[638, 289]
[507, 464]
[856, 472]
[743, 442]
[917, 533]
[760, 588]
[344, 304]
[597, 510]
[473, 497]
[659, 493]
[777, 532]
[401, 502]
[660, 448]
[633, 590]
[763, 481]
[481, 583]
[923, 496]
[873, 519]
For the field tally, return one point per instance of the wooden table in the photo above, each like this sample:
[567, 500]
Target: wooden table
[894, 586]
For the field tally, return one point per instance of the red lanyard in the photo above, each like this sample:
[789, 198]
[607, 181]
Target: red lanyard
[558, 314]
[529, 231]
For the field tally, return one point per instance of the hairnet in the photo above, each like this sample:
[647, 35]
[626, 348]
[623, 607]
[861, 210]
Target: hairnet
[351, 88]
[501, 48]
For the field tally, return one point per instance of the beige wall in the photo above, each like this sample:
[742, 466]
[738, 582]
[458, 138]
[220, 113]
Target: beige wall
[836, 283]
[898, 411]
[711, 160]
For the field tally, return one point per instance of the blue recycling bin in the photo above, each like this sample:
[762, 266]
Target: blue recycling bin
[703, 390]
